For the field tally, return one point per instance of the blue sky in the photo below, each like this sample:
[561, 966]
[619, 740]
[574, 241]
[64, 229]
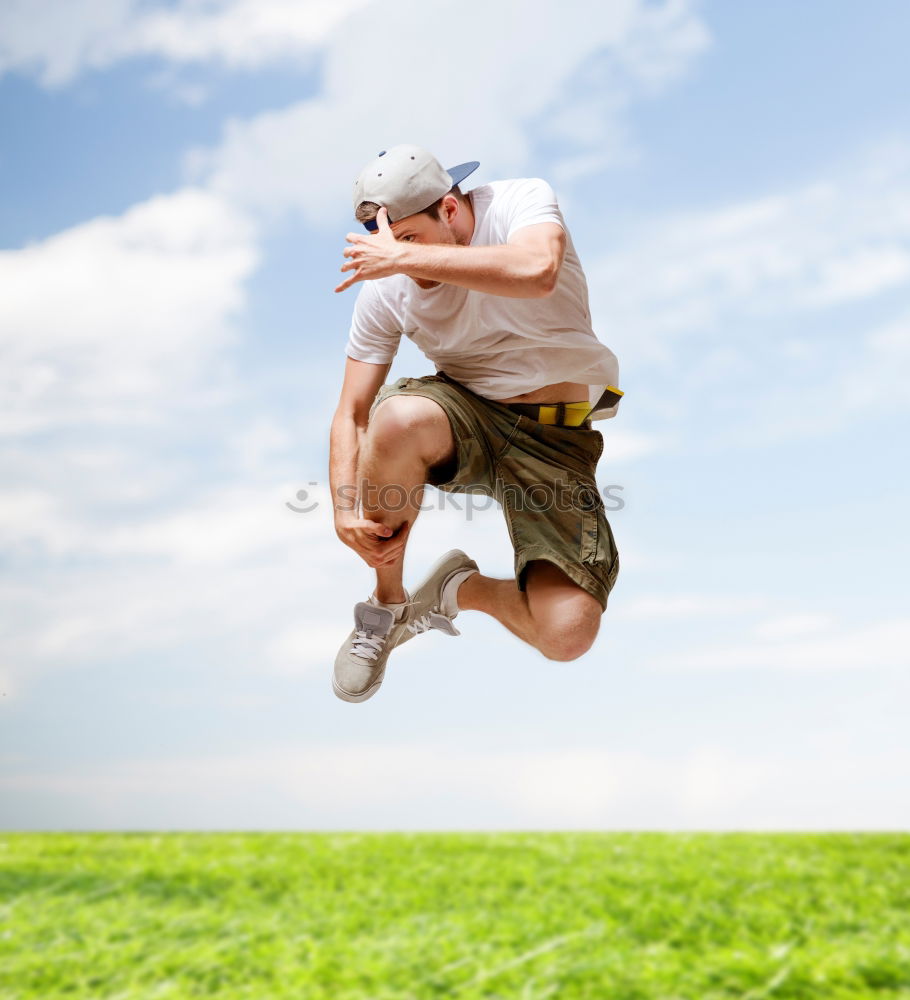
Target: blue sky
[173, 200]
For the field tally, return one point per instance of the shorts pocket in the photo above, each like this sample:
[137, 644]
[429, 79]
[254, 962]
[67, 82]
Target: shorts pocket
[590, 537]
[600, 447]
[589, 506]
[605, 561]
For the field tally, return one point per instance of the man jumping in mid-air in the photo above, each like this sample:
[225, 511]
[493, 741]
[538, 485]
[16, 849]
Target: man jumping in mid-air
[488, 285]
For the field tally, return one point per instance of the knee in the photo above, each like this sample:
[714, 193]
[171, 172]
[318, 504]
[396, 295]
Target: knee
[570, 637]
[399, 419]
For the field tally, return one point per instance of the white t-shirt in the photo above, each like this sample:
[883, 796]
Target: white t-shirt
[497, 346]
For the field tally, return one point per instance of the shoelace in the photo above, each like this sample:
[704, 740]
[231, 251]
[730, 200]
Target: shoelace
[420, 625]
[367, 646]
[432, 619]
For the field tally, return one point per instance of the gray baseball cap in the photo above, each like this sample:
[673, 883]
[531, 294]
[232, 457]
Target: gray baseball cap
[406, 180]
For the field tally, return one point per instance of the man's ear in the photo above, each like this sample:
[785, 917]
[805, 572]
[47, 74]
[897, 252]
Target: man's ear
[449, 208]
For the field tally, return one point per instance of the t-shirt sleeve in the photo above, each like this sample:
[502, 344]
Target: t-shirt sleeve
[374, 336]
[529, 202]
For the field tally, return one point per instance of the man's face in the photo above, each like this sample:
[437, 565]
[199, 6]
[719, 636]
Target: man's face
[423, 228]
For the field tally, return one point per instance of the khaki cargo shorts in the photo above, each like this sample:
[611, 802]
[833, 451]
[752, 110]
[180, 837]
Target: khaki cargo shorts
[541, 474]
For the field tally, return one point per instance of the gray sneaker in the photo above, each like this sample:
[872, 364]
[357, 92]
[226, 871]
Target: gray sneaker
[427, 610]
[360, 663]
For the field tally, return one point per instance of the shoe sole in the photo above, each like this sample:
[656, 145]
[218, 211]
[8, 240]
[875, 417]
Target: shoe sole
[363, 696]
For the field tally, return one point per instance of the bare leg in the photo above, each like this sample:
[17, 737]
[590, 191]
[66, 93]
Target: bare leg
[406, 435]
[502, 600]
[554, 614]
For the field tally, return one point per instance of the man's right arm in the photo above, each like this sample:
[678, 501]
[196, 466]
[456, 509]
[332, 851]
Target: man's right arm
[362, 381]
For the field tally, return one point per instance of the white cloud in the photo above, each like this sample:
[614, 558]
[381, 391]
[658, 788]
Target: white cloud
[793, 626]
[230, 563]
[240, 33]
[670, 606]
[881, 374]
[688, 274]
[859, 273]
[866, 378]
[621, 445]
[101, 321]
[462, 92]
[389, 786]
[738, 314]
[230, 568]
[797, 645]
[58, 42]
[892, 341]
[259, 444]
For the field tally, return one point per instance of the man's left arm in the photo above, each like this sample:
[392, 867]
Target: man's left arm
[526, 267]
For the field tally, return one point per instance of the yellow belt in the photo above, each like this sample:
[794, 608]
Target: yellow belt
[573, 415]
[566, 414]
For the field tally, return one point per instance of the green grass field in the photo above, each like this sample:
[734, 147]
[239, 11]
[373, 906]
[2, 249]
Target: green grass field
[620, 916]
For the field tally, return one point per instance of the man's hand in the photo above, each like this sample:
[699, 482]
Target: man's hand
[375, 543]
[375, 255]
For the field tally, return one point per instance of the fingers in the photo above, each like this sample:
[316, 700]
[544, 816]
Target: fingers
[347, 284]
[373, 552]
[378, 528]
[394, 547]
[362, 247]
[387, 549]
[351, 265]
[377, 563]
[383, 557]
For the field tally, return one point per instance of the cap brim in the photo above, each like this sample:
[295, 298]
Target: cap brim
[459, 173]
